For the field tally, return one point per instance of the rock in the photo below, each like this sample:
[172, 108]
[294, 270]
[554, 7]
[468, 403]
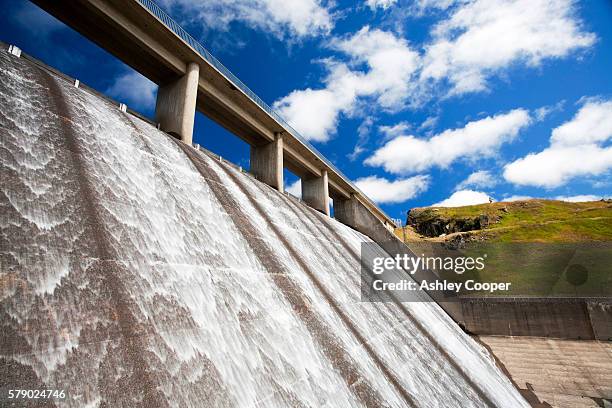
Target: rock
[431, 222]
[457, 242]
[483, 221]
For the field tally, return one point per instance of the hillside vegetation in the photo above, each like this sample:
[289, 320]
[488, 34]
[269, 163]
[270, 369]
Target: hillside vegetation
[544, 247]
[518, 221]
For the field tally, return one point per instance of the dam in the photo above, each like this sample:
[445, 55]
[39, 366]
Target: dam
[137, 271]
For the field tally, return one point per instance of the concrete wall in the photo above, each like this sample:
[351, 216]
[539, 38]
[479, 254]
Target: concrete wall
[315, 192]
[557, 318]
[555, 372]
[352, 213]
[600, 316]
[176, 103]
[567, 318]
[267, 163]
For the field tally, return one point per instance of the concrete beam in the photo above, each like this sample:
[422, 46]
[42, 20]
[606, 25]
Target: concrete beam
[346, 211]
[267, 162]
[315, 192]
[336, 192]
[229, 110]
[125, 30]
[353, 213]
[176, 103]
[298, 164]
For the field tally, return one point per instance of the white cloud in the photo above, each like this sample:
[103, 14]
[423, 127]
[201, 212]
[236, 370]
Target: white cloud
[295, 188]
[298, 18]
[544, 111]
[421, 8]
[464, 197]
[392, 131]
[383, 4]
[478, 40]
[579, 198]
[481, 138]
[424, 5]
[478, 179]
[391, 63]
[592, 124]
[483, 37]
[571, 199]
[517, 198]
[575, 150]
[314, 113]
[556, 166]
[363, 134]
[357, 151]
[134, 89]
[384, 191]
[429, 123]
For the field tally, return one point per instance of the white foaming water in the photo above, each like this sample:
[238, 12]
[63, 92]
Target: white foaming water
[134, 277]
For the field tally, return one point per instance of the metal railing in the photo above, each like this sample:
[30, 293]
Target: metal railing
[199, 48]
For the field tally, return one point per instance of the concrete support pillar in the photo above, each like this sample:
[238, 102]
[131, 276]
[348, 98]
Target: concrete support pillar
[353, 213]
[267, 162]
[346, 211]
[176, 103]
[315, 192]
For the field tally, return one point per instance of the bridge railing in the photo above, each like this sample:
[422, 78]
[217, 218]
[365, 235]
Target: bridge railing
[199, 48]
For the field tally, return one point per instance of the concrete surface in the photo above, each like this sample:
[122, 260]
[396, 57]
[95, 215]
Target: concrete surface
[267, 163]
[176, 104]
[354, 214]
[600, 316]
[565, 318]
[315, 192]
[554, 372]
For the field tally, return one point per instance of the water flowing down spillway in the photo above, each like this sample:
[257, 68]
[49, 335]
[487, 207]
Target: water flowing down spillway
[137, 271]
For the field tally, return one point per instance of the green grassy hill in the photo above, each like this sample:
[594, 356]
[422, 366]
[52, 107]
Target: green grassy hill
[518, 221]
[544, 247]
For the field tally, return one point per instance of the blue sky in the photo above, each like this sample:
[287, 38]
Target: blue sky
[422, 102]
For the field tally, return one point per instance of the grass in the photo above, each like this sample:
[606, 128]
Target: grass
[534, 244]
[531, 220]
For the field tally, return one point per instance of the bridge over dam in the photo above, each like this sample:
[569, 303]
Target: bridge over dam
[142, 35]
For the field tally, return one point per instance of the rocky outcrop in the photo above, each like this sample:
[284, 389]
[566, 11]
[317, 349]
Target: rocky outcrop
[430, 223]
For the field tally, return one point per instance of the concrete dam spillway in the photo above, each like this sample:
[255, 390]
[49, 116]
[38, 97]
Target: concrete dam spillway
[138, 271]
